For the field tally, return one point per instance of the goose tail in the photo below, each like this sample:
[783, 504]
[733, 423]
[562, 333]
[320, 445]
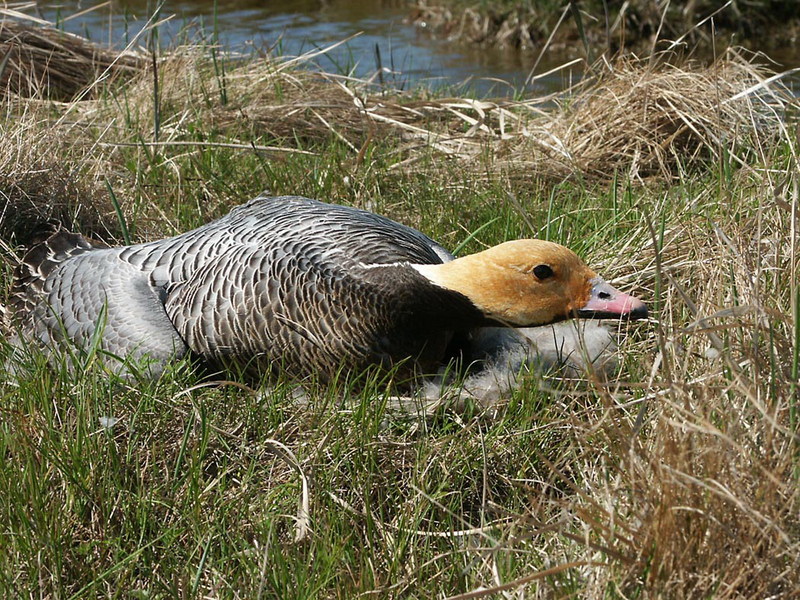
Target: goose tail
[32, 271]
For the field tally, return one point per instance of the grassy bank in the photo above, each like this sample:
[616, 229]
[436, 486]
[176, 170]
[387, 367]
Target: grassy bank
[677, 478]
[639, 25]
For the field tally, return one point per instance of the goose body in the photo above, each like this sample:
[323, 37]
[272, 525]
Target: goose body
[292, 284]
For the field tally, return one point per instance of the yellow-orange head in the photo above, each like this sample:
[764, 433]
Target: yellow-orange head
[525, 283]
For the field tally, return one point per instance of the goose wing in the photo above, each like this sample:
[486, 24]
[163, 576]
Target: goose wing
[287, 290]
[344, 235]
[347, 233]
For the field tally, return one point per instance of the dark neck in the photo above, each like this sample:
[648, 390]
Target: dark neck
[423, 304]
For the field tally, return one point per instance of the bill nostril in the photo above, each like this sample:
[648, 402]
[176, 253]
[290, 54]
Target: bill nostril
[605, 301]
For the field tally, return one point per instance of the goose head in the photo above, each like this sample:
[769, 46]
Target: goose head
[525, 283]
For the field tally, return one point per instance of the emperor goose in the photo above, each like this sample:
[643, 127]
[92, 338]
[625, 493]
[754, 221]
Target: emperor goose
[298, 285]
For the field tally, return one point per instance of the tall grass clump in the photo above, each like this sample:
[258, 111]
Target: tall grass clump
[646, 118]
[47, 180]
[673, 477]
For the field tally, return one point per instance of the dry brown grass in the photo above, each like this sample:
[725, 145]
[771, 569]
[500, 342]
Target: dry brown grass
[50, 178]
[42, 62]
[51, 172]
[632, 117]
[643, 120]
[638, 118]
[635, 25]
[707, 489]
[521, 28]
[278, 99]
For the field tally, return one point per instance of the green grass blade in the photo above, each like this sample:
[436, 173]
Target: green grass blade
[123, 225]
[472, 236]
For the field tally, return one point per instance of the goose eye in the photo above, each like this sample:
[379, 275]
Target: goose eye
[543, 272]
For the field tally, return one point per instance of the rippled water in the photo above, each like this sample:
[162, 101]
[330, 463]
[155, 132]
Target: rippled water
[386, 47]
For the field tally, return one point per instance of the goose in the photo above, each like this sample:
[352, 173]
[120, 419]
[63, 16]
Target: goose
[300, 286]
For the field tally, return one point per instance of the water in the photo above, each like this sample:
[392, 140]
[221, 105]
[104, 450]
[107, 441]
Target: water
[387, 49]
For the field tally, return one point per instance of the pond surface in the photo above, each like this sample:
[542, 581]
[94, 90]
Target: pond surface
[387, 47]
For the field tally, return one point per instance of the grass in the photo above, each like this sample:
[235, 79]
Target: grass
[596, 26]
[675, 479]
